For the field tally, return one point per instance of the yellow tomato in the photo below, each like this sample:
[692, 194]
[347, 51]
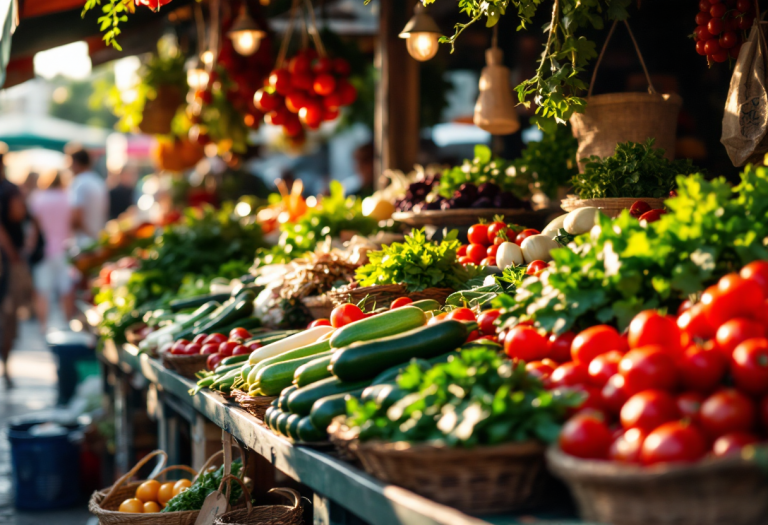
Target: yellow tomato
[151, 506]
[180, 486]
[133, 505]
[147, 491]
[165, 493]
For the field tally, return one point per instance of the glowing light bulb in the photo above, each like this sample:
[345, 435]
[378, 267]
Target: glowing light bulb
[197, 78]
[246, 42]
[422, 46]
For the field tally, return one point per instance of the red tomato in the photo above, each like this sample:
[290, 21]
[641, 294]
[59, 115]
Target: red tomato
[570, 374]
[486, 320]
[494, 229]
[540, 370]
[526, 343]
[179, 346]
[594, 341]
[626, 448]
[280, 80]
[299, 64]
[214, 360]
[324, 84]
[757, 272]
[614, 394]
[744, 5]
[673, 442]
[732, 297]
[585, 436]
[347, 91]
[592, 398]
[701, 46]
[523, 235]
[703, 18]
[466, 260]
[323, 65]
[241, 350]
[478, 234]
[295, 100]
[199, 339]
[345, 314]
[603, 367]
[341, 67]
[400, 302]
[319, 322]
[474, 335]
[488, 261]
[492, 338]
[226, 348]
[694, 325]
[734, 332]
[651, 328]
[648, 409]
[638, 208]
[215, 339]
[684, 306]
[749, 366]
[491, 251]
[461, 314]
[731, 444]
[462, 251]
[476, 252]
[718, 10]
[266, 101]
[702, 370]
[560, 346]
[649, 367]
[535, 267]
[239, 334]
[655, 215]
[727, 411]
[210, 348]
[689, 405]
[192, 349]
[253, 345]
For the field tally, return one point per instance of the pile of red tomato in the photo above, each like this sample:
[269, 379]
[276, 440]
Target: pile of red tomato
[671, 389]
[485, 239]
[308, 91]
[216, 346]
[721, 27]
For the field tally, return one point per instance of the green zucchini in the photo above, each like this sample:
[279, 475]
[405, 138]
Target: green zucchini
[426, 305]
[325, 409]
[245, 370]
[272, 379]
[372, 392]
[292, 426]
[389, 396]
[194, 302]
[308, 433]
[314, 349]
[282, 400]
[313, 371]
[301, 400]
[274, 402]
[240, 308]
[390, 374]
[272, 417]
[268, 413]
[280, 423]
[389, 323]
[233, 360]
[366, 360]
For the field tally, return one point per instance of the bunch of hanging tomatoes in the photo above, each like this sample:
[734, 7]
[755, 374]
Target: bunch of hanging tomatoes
[721, 28]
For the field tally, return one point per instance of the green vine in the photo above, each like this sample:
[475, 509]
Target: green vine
[115, 11]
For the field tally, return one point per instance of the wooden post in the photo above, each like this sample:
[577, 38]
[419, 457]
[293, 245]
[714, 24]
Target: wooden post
[396, 122]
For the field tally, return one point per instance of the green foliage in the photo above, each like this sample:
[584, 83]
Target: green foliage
[478, 397]
[114, 12]
[627, 267]
[635, 170]
[194, 496]
[480, 294]
[551, 162]
[417, 263]
[484, 168]
[72, 100]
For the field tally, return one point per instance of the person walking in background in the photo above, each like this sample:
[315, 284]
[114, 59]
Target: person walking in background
[88, 197]
[49, 206]
[122, 187]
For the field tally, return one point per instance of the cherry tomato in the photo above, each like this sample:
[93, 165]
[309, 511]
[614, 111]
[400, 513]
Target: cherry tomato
[731, 444]
[703, 34]
[689, 405]
[474, 335]
[400, 302]
[488, 261]
[592, 400]
[638, 208]
[653, 215]
[526, 343]
[461, 314]
[347, 92]
[711, 46]
[702, 370]
[495, 228]
[704, 6]
[725, 411]
[486, 321]
[594, 341]
[323, 65]
[560, 346]
[179, 346]
[703, 18]
[239, 333]
[523, 235]
[319, 322]
[757, 272]
[603, 367]
[728, 39]
[491, 251]
[744, 5]
[226, 348]
[734, 332]
[749, 366]
[280, 80]
[241, 350]
[266, 101]
[299, 64]
[694, 325]
[540, 370]
[673, 442]
[192, 349]
[199, 339]
[436, 319]
[585, 436]
[215, 339]
[649, 367]
[476, 252]
[651, 328]
[535, 267]
[341, 67]
[614, 394]
[210, 348]
[478, 234]
[253, 345]
[462, 251]
[345, 314]
[626, 448]
[715, 26]
[718, 10]
[570, 374]
[745, 22]
[324, 84]
[648, 409]
[466, 260]
[214, 360]
[731, 297]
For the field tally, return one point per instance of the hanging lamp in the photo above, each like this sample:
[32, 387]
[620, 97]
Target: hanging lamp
[245, 33]
[421, 34]
[495, 107]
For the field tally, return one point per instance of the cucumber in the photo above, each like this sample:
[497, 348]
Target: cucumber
[325, 409]
[233, 360]
[282, 401]
[272, 418]
[194, 302]
[244, 371]
[389, 375]
[268, 413]
[366, 360]
[272, 379]
[301, 401]
[426, 305]
[314, 349]
[308, 433]
[240, 308]
[280, 423]
[292, 426]
[274, 402]
[313, 371]
[387, 324]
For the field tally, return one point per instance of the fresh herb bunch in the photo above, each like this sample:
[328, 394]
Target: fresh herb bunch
[194, 496]
[481, 169]
[551, 162]
[610, 276]
[479, 397]
[635, 170]
[417, 263]
[479, 293]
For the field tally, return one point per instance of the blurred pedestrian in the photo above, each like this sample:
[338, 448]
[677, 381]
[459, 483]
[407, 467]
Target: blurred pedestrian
[121, 191]
[49, 206]
[88, 197]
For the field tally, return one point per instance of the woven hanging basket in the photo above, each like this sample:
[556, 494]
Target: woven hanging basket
[254, 405]
[158, 113]
[184, 365]
[729, 491]
[383, 295]
[265, 514]
[609, 207]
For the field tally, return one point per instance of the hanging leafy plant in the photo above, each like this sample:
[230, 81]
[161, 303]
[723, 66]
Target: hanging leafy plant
[116, 12]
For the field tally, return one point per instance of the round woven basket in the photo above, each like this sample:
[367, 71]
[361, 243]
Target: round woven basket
[265, 514]
[184, 365]
[463, 217]
[481, 480]
[383, 295]
[610, 207]
[254, 405]
[729, 491]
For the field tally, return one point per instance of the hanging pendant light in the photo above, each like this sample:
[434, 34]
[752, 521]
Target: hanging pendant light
[495, 107]
[245, 33]
[421, 34]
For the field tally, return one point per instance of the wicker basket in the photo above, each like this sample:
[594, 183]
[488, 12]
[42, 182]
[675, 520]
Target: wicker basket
[266, 514]
[481, 480]
[728, 491]
[254, 405]
[158, 112]
[610, 207]
[383, 295]
[319, 306]
[184, 365]
[464, 216]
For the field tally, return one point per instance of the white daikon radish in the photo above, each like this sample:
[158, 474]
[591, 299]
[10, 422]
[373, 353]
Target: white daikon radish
[580, 220]
[509, 254]
[553, 227]
[537, 248]
[308, 336]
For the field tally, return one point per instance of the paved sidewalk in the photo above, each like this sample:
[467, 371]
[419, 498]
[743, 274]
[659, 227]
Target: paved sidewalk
[34, 374]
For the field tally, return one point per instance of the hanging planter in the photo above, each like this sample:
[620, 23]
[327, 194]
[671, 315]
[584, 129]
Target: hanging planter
[158, 113]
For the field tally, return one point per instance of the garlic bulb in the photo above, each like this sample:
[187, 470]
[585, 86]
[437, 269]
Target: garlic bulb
[537, 248]
[580, 220]
[509, 254]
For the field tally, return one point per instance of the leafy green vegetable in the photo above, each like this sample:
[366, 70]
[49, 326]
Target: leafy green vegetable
[478, 397]
[484, 168]
[480, 294]
[551, 162]
[194, 496]
[635, 170]
[417, 263]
